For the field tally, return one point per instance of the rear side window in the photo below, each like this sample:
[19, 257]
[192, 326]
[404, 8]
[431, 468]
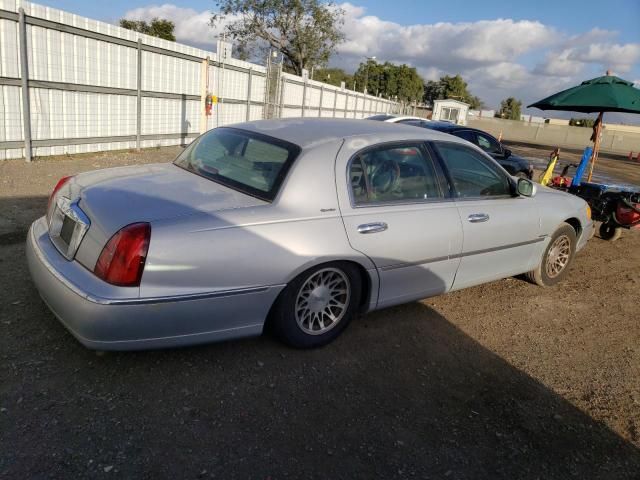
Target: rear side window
[472, 174]
[387, 174]
[467, 135]
[247, 162]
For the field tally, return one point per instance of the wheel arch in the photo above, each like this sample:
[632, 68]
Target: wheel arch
[575, 224]
[369, 283]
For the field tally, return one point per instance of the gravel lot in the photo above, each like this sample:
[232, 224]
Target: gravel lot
[506, 380]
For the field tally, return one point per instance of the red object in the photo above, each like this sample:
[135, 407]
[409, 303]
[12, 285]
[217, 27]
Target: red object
[208, 105]
[561, 182]
[638, 157]
[61, 183]
[625, 215]
[122, 259]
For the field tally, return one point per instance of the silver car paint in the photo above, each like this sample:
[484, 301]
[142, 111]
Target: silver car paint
[218, 258]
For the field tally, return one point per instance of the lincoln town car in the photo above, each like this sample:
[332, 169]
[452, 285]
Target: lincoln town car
[298, 225]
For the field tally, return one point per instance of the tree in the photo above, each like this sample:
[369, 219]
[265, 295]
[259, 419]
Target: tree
[306, 32]
[158, 27]
[389, 80]
[582, 122]
[333, 76]
[450, 87]
[510, 108]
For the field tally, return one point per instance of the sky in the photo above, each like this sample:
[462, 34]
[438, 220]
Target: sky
[527, 49]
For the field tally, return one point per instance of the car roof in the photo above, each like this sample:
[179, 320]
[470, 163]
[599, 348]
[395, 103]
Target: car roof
[398, 118]
[310, 132]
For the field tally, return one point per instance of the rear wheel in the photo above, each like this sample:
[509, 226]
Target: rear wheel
[556, 259]
[317, 305]
[608, 231]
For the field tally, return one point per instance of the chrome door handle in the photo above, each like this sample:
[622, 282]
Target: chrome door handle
[372, 227]
[478, 217]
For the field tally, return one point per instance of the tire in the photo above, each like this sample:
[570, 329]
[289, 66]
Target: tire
[548, 272]
[301, 316]
[610, 232]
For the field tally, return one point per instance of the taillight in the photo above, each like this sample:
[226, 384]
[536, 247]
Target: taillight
[122, 259]
[61, 183]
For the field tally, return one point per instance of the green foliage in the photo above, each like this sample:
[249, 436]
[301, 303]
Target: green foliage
[389, 80]
[333, 76]
[582, 122]
[510, 108]
[450, 87]
[158, 27]
[305, 32]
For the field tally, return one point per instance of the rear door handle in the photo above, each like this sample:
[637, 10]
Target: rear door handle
[478, 217]
[372, 227]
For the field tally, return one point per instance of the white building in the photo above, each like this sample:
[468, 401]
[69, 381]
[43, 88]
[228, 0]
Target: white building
[451, 111]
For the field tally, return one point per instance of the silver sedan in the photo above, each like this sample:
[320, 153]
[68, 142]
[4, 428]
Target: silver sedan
[300, 224]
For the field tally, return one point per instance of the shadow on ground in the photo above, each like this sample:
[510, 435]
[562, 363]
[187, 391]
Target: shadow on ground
[402, 393]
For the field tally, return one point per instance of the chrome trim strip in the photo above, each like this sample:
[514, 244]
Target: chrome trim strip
[461, 255]
[415, 264]
[495, 249]
[136, 301]
[186, 297]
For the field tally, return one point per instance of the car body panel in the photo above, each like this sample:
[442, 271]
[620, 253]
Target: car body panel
[502, 246]
[417, 255]
[218, 258]
[116, 197]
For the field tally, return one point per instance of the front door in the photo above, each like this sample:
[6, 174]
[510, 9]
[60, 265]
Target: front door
[396, 212]
[501, 230]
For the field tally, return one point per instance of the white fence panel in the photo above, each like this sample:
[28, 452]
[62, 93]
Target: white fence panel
[83, 86]
[9, 50]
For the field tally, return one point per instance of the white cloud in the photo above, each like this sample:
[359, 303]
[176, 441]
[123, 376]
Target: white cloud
[192, 27]
[498, 58]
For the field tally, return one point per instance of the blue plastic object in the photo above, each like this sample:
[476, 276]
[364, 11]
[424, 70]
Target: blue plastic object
[582, 167]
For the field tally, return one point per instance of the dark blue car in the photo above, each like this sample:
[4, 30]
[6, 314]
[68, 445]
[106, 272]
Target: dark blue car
[513, 164]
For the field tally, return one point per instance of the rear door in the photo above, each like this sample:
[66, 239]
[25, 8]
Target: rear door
[396, 212]
[501, 230]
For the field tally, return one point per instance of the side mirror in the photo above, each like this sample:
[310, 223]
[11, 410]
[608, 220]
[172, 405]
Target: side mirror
[526, 187]
[506, 152]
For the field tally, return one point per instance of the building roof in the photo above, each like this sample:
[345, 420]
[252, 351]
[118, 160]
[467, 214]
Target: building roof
[449, 100]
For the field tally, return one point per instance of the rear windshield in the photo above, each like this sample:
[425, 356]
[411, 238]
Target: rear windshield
[251, 163]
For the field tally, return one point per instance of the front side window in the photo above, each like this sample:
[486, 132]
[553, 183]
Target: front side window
[393, 174]
[247, 162]
[472, 174]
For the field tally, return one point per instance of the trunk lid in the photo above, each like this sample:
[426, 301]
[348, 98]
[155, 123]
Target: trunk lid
[114, 198]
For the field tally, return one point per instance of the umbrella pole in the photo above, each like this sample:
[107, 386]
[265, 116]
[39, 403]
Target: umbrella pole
[596, 146]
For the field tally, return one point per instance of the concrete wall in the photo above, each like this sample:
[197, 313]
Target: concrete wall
[613, 141]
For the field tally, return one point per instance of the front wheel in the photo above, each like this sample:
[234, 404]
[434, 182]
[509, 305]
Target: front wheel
[556, 259]
[317, 305]
[608, 231]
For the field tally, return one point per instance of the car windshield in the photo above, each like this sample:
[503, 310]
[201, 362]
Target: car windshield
[251, 163]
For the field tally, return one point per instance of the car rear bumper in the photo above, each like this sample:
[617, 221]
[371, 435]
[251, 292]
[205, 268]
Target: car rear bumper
[120, 322]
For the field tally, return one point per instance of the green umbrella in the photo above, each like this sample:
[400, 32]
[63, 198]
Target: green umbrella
[602, 94]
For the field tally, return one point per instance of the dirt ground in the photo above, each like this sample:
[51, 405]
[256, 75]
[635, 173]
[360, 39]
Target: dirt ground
[506, 380]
